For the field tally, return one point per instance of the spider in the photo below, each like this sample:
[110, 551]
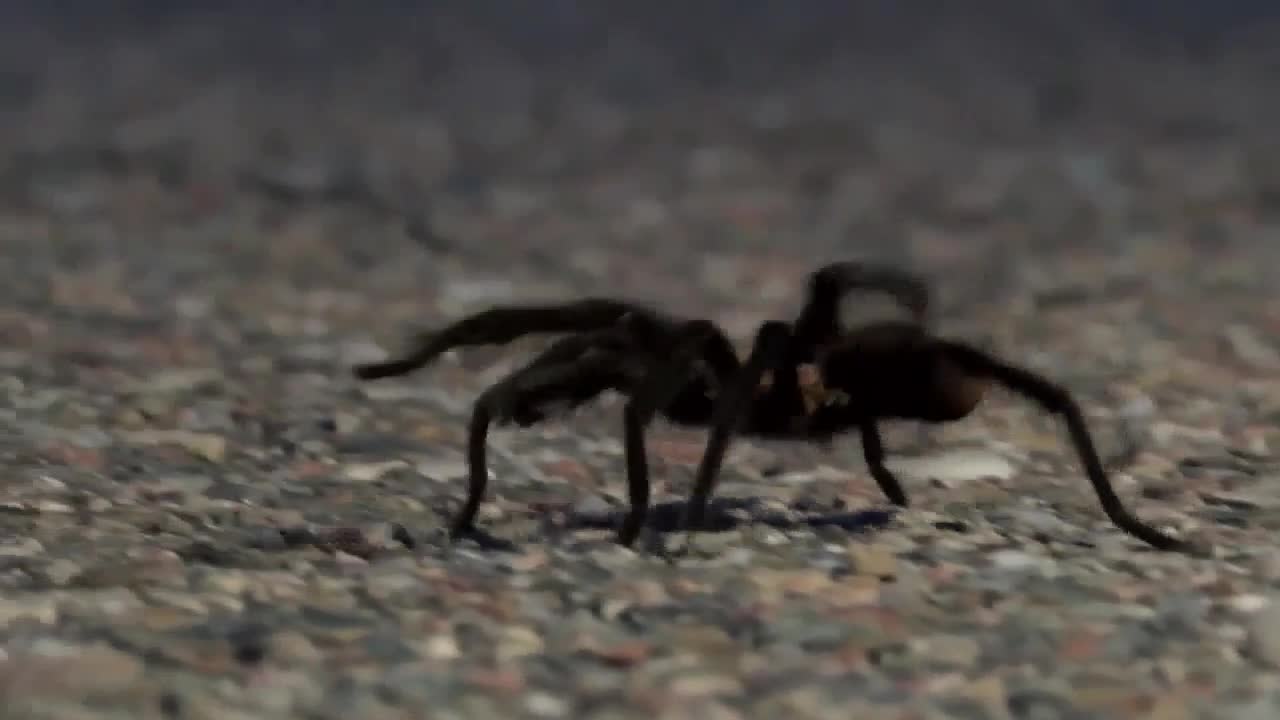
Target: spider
[807, 380]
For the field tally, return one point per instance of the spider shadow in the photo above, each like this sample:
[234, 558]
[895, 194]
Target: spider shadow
[723, 515]
[728, 513]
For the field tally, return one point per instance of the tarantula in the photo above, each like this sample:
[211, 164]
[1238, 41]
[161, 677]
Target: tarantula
[808, 380]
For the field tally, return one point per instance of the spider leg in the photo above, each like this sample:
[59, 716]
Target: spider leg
[768, 351]
[819, 319]
[873, 451]
[1058, 401]
[694, 341]
[517, 397]
[501, 325]
[567, 349]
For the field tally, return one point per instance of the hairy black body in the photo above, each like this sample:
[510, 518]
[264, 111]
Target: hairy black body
[808, 380]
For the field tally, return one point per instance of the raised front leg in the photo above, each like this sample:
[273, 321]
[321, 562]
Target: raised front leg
[501, 325]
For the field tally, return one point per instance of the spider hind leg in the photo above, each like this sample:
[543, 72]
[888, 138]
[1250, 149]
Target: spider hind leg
[1056, 400]
[873, 453]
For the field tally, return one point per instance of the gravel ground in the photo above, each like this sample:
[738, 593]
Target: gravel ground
[204, 516]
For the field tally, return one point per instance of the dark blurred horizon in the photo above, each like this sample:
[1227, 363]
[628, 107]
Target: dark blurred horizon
[999, 122]
[550, 16]
[646, 50]
[554, 28]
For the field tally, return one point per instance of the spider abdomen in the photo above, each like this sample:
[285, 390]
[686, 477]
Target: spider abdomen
[956, 393]
[896, 370]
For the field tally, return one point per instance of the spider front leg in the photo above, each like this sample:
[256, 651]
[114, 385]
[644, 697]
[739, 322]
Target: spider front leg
[501, 325]
[768, 352]
[1058, 401]
[519, 398]
[694, 341]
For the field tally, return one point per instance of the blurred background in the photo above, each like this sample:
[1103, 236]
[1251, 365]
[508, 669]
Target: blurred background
[210, 210]
[659, 149]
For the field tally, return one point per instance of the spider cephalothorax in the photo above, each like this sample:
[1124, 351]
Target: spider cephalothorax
[806, 380]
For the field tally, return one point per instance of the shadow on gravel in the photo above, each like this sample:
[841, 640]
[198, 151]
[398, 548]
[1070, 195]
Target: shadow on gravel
[724, 514]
